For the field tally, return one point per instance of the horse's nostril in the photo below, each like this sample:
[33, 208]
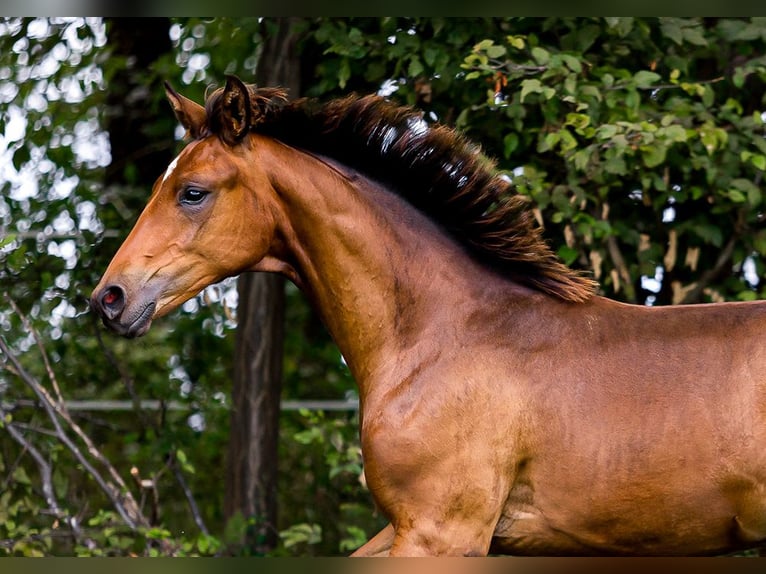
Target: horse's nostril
[112, 301]
[110, 297]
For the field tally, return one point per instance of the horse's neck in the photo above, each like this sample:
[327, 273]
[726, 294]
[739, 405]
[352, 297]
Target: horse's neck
[379, 272]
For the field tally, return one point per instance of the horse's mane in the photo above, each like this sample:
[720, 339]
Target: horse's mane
[434, 168]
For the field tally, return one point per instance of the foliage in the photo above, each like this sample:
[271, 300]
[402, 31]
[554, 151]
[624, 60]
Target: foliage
[639, 141]
[642, 141]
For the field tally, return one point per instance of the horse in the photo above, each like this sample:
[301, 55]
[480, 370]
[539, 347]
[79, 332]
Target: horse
[505, 406]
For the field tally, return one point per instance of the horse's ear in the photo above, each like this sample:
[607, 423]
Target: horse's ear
[236, 110]
[191, 115]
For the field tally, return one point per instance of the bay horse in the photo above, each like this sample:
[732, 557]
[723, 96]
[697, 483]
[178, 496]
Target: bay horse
[506, 407]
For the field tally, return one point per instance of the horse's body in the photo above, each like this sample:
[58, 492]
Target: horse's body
[499, 413]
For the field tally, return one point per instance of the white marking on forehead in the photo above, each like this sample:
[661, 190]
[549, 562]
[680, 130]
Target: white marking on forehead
[170, 168]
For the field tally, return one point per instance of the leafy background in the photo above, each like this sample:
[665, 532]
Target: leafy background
[639, 142]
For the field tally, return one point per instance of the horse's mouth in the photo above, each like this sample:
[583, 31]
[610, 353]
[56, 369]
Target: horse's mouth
[136, 328]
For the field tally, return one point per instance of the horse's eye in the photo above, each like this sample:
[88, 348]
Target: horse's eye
[192, 196]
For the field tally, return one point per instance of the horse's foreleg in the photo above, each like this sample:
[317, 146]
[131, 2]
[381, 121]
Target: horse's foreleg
[378, 545]
[443, 495]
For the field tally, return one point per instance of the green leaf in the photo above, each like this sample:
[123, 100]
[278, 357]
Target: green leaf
[709, 139]
[429, 55]
[530, 86]
[616, 165]
[462, 119]
[591, 91]
[483, 45]
[675, 133]
[667, 120]
[303, 532]
[732, 105]
[548, 142]
[747, 296]
[760, 143]
[738, 78]
[570, 86]
[572, 63]
[183, 460]
[622, 24]
[344, 73]
[496, 51]
[653, 155]
[540, 55]
[568, 141]
[708, 96]
[670, 28]
[577, 121]
[567, 254]
[581, 158]
[356, 537]
[517, 42]
[510, 142]
[415, 68]
[20, 475]
[584, 37]
[747, 190]
[606, 131]
[710, 233]
[645, 78]
[693, 35]
[736, 196]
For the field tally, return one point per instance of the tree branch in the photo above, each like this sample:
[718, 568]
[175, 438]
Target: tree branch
[694, 295]
[622, 268]
[125, 377]
[178, 473]
[116, 490]
[130, 515]
[42, 465]
[28, 326]
[112, 483]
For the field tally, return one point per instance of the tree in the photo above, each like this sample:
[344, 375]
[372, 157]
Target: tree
[60, 150]
[57, 226]
[639, 142]
[139, 149]
[257, 385]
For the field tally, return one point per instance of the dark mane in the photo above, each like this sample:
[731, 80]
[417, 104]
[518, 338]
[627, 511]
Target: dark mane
[433, 167]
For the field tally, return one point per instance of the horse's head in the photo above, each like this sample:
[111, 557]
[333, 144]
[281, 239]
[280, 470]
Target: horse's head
[210, 216]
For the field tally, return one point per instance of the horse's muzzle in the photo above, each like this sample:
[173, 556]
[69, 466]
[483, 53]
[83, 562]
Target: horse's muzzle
[110, 303]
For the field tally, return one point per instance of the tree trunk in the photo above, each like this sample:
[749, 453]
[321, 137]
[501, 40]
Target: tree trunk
[252, 466]
[138, 154]
[251, 489]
